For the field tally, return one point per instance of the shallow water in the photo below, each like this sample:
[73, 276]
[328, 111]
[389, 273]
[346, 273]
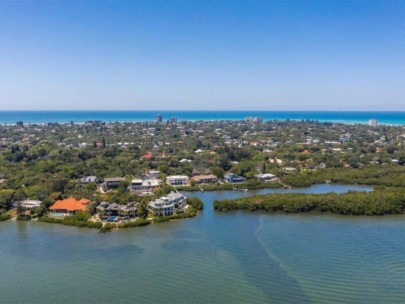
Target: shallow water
[234, 257]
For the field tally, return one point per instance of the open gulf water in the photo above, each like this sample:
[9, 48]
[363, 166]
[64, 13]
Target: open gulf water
[349, 117]
[236, 257]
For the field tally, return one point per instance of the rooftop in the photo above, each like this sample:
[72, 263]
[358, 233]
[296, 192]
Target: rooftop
[70, 204]
[115, 179]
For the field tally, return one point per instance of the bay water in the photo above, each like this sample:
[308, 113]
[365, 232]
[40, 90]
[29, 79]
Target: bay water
[235, 257]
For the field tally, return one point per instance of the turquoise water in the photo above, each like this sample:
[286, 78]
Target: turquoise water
[213, 258]
[11, 117]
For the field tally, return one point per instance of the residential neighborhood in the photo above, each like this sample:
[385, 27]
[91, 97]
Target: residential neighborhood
[110, 170]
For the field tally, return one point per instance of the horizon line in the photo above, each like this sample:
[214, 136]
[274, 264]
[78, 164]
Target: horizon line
[199, 110]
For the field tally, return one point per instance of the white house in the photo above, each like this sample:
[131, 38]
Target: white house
[27, 204]
[144, 186]
[289, 170]
[167, 205]
[266, 177]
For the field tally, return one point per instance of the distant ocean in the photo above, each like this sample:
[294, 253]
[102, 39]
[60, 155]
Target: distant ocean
[11, 117]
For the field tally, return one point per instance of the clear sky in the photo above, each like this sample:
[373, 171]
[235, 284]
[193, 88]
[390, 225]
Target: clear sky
[202, 55]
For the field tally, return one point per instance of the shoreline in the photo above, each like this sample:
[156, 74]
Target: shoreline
[390, 118]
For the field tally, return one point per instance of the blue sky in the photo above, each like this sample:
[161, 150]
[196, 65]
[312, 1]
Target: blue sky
[202, 55]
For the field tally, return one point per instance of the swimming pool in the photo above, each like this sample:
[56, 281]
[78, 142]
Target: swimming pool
[111, 219]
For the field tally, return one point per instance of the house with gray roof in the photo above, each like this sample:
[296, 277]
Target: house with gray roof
[112, 183]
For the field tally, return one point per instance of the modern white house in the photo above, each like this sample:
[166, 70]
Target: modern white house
[144, 186]
[177, 180]
[266, 177]
[179, 200]
[168, 205]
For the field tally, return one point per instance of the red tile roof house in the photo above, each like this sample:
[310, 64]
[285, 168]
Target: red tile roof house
[68, 206]
[147, 155]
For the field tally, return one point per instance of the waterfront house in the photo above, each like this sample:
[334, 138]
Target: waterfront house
[205, 179]
[161, 207]
[68, 206]
[112, 183]
[168, 205]
[106, 209]
[177, 180]
[27, 204]
[266, 177]
[232, 178]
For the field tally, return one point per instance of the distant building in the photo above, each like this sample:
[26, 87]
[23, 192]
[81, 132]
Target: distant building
[232, 178]
[112, 183]
[289, 170]
[254, 119]
[147, 155]
[88, 179]
[159, 118]
[177, 180]
[94, 123]
[2, 178]
[373, 123]
[151, 174]
[173, 119]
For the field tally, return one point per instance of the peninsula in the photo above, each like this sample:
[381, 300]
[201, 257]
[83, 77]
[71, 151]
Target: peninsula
[112, 174]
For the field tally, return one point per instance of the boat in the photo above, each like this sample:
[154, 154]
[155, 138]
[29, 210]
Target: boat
[240, 189]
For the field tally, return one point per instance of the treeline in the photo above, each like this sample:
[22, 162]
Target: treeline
[251, 185]
[384, 175]
[195, 203]
[379, 202]
[4, 217]
[70, 221]
[80, 219]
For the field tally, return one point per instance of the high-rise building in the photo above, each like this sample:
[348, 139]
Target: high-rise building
[373, 122]
[173, 119]
[159, 118]
[254, 119]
